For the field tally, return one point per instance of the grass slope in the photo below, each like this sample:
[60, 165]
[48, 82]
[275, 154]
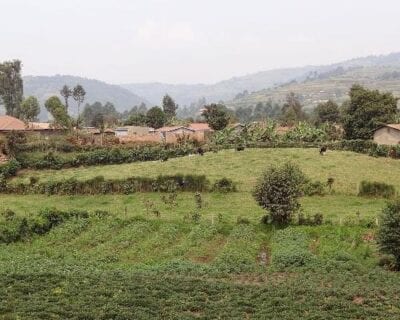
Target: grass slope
[347, 168]
[134, 265]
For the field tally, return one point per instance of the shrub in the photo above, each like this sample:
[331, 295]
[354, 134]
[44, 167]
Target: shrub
[388, 235]
[376, 189]
[316, 220]
[224, 185]
[9, 169]
[14, 228]
[278, 191]
[316, 188]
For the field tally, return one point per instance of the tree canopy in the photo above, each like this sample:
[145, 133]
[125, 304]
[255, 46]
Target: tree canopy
[366, 111]
[216, 115]
[29, 109]
[155, 118]
[11, 86]
[169, 106]
[58, 111]
[327, 112]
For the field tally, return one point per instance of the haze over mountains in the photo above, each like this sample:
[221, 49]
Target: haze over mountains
[312, 83]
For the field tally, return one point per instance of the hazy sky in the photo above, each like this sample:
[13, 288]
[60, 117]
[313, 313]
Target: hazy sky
[191, 40]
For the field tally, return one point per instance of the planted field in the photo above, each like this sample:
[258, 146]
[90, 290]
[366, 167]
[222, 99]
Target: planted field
[151, 258]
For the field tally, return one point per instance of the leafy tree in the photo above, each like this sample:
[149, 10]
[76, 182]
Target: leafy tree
[107, 111]
[57, 110]
[244, 114]
[169, 106]
[278, 191]
[78, 94]
[11, 86]
[366, 111]
[66, 92]
[156, 118]
[137, 119]
[30, 109]
[216, 115]
[292, 110]
[327, 112]
[388, 236]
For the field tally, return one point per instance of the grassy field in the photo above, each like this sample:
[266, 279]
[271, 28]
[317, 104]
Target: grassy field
[347, 168]
[133, 264]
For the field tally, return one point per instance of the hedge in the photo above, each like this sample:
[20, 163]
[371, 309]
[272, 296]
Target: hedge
[115, 155]
[99, 185]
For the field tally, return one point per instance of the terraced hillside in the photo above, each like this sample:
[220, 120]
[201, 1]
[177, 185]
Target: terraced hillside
[332, 85]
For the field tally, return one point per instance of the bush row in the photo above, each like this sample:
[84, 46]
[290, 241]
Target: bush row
[104, 156]
[14, 228]
[99, 185]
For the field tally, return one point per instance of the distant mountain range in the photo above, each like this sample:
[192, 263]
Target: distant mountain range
[44, 87]
[261, 86]
[332, 82]
[312, 83]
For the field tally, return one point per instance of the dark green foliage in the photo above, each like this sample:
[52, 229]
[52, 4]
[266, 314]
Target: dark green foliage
[314, 188]
[366, 111]
[102, 156]
[169, 107]
[9, 169]
[59, 113]
[156, 118]
[66, 92]
[292, 110]
[376, 189]
[278, 191]
[99, 185]
[224, 185]
[388, 235]
[14, 228]
[327, 112]
[216, 116]
[30, 109]
[78, 93]
[99, 115]
[11, 87]
[316, 220]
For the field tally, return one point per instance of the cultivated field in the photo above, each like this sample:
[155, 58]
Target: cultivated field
[132, 263]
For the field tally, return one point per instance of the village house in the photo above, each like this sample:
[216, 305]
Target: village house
[10, 124]
[197, 131]
[387, 134]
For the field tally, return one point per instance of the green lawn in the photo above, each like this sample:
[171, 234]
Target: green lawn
[347, 168]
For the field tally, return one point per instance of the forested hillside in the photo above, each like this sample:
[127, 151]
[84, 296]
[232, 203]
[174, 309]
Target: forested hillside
[44, 87]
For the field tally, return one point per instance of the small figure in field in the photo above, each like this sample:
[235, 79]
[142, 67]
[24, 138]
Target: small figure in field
[200, 151]
[322, 150]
